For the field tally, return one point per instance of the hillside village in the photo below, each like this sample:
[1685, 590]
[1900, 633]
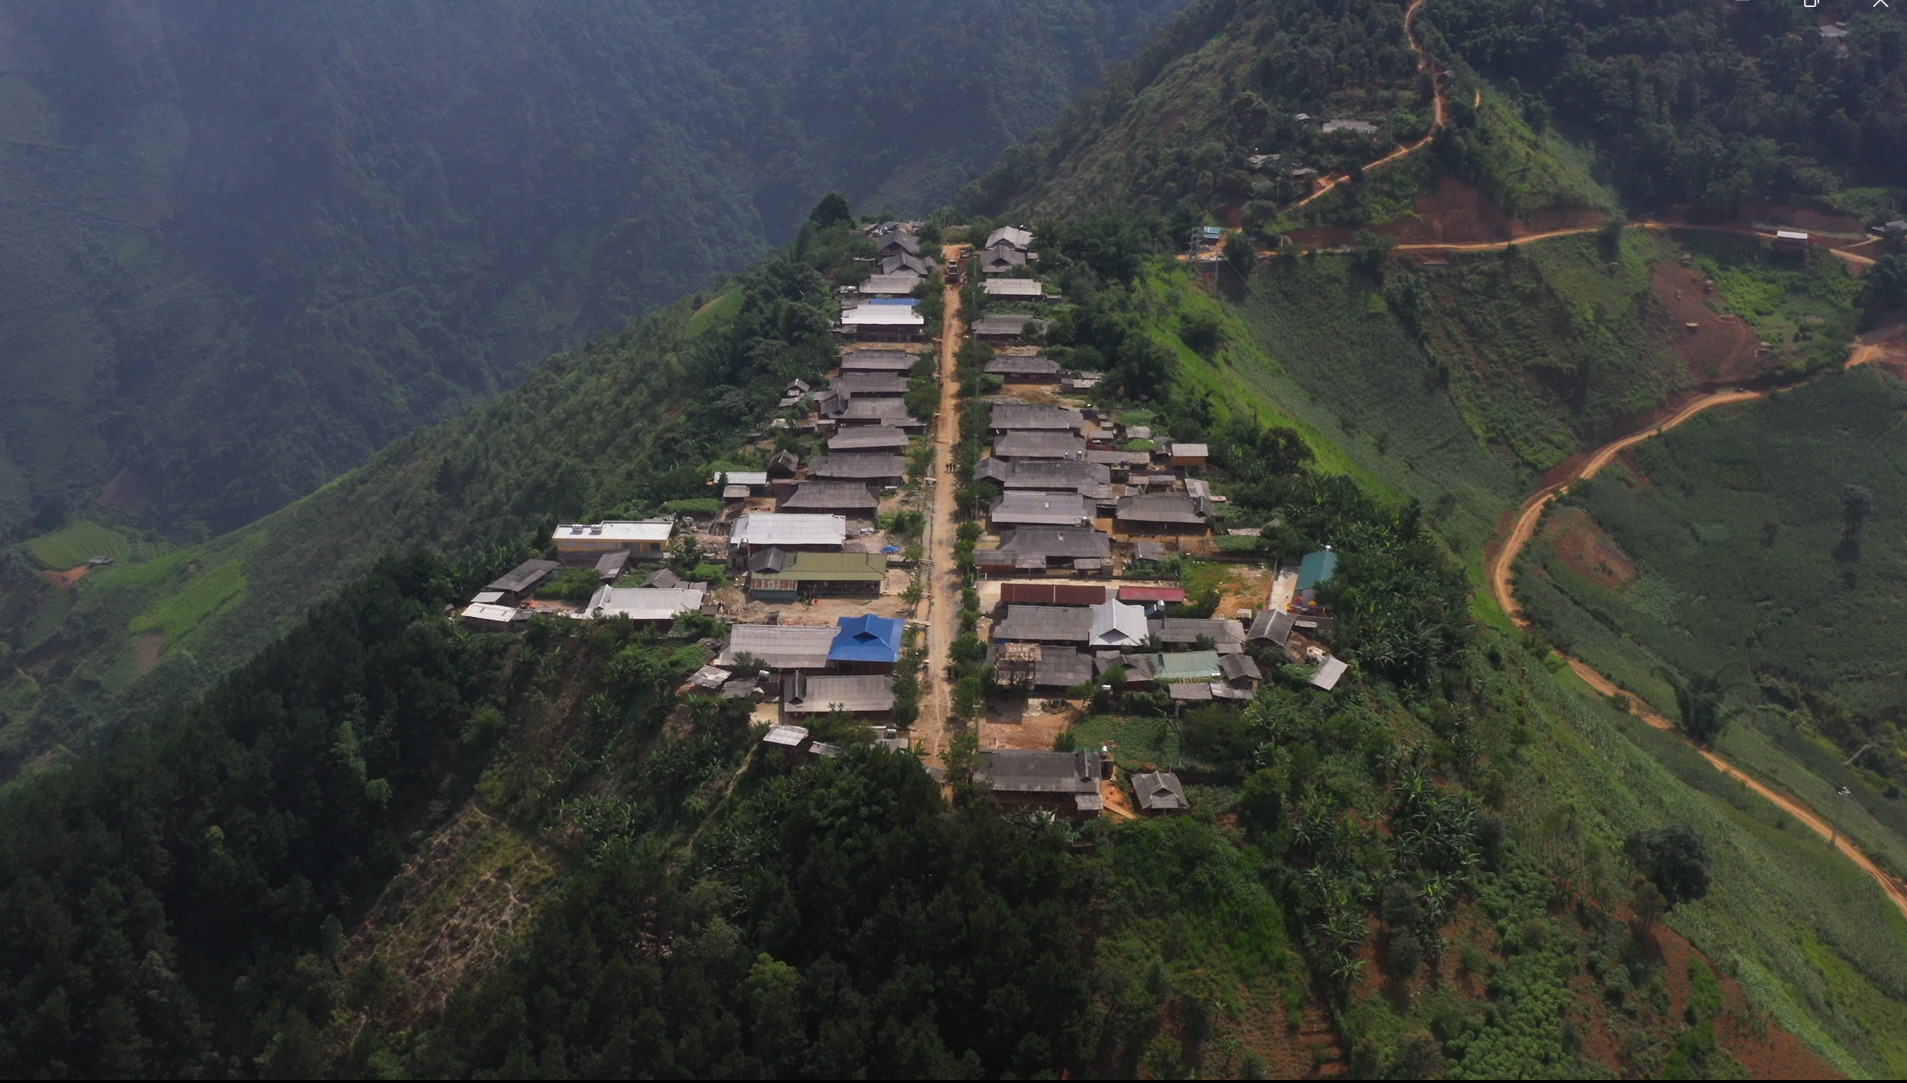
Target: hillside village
[816, 567]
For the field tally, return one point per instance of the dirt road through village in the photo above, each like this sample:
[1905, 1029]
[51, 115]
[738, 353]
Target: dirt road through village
[940, 575]
[1865, 349]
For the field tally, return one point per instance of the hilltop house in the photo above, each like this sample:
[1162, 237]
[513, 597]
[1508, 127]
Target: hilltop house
[584, 543]
[521, 581]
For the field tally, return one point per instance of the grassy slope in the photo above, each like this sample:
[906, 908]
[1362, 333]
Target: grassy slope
[1736, 593]
[551, 449]
[1813, 942]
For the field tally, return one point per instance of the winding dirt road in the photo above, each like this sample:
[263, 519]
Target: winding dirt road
[1866, 348]
[1329, 183]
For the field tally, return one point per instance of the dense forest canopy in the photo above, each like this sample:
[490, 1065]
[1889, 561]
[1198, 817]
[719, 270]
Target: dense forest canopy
[247, 246]
[1715, 105]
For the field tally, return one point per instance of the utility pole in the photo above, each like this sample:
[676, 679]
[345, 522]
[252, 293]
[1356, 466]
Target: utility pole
[1840, 802]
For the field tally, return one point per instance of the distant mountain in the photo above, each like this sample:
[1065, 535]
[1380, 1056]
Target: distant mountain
[245, 246]
[1719, 109]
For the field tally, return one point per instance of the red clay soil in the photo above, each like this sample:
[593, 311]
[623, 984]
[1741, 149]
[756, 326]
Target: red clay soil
[1588, 551]
[67, 578]
[1762, 1047]
[1718, 349]
[1457, 213]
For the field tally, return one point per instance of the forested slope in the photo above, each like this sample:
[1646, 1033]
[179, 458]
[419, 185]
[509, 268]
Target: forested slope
[246, 247]
[617, 427]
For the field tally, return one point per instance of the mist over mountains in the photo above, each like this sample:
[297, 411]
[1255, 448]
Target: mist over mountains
[247, 245]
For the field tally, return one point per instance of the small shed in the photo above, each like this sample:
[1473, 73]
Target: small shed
[1188, 454]
[1159, 793]
[494, 618]
[521, 581]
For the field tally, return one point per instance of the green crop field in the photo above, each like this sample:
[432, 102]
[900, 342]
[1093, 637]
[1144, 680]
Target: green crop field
[1803, 308]
[1744, 574]
[1322, 344]
[79, 543]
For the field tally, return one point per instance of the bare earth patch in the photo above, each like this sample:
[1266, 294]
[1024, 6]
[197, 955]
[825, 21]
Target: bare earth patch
[147, 649]
[446, 919]
[1588, 551]
[1717, 349]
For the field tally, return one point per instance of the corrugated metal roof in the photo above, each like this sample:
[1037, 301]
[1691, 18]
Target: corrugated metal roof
[1057, 542]
[1020, 508]
[1014, 287]
[867, 467]
[1186, 666]
[863, 437]
[805, 694]
[831, 494]
[1329, 673]
[524, 576]
[1188, 630]
[867, 638]
[1039, 445]
[1160, 791]
[641, 603]
[779, 646]
[833, 567]
[897, 283]
[647, 531]
[1061, 667]
[1051, 594]
[1165, 508]
[877, 361]
[1008, 416]
[1116, 624]
[1317, 568]
[882, 316]
[770, 528]
[1015, 771]
[1275, 627]
[1152, 594]
[1046, 624]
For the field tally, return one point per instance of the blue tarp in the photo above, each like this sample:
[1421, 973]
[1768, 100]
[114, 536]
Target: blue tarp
[890, 548]
[1317, 568]
[894, 301]
[867, 638]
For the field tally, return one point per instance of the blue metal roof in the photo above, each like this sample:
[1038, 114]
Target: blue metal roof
[908, 301]
[867, 638]
[1317, 568]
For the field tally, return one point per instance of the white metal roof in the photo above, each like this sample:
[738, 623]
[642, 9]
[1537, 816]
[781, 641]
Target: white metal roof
[882, 316]
[1014, 287]
[641, 603]
[897, 283]
[480, 611]
[1327, 675]
[771, 528]
[650, 531]
[742, 477]
[1789, 235]
[786, 736]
